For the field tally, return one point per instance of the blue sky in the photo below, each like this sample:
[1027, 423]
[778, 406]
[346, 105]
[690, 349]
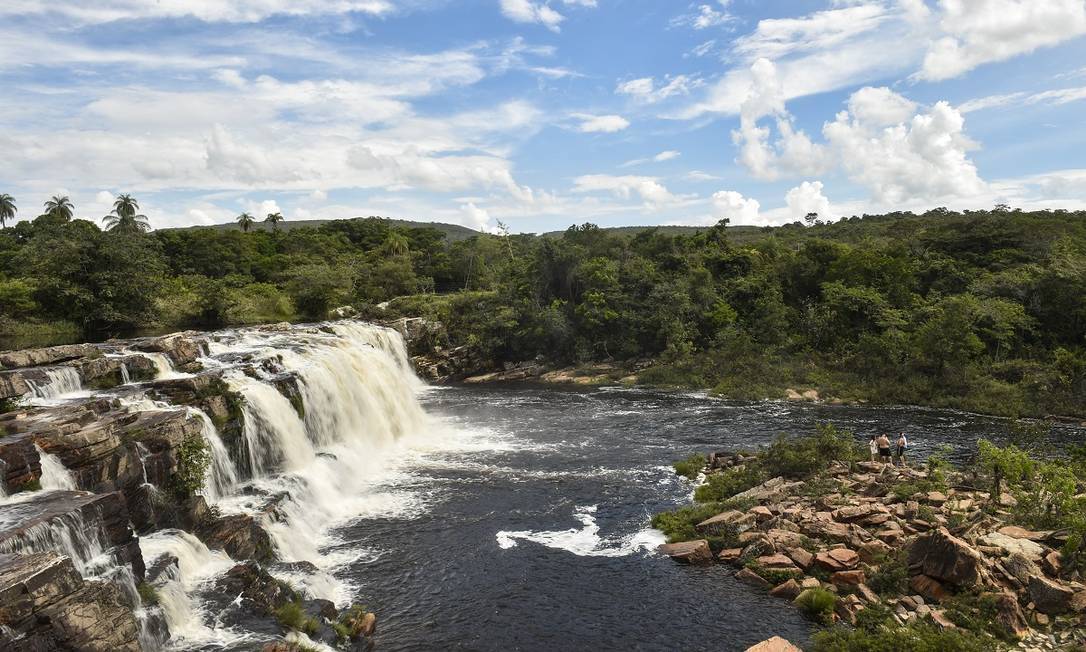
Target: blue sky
[540, 114]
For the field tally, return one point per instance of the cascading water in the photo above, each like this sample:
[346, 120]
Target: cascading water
[54, 476]
[163, 366]
[61, 381]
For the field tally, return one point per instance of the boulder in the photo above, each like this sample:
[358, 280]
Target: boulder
[256, 589]
[747, 576]
[729, 555]
[848, 578]
[1008, 615]
[769, 490]
[928, 587]
[801, 557]
[1009, 545]
[788, 590]
[1020, 568]
[689, 552]
[1022, 533]
[242, 537]
[776, 562]
[1049, 597]
[838, 559]
[946, 558]
[1053, 563]
[775, 644]
[724, 521]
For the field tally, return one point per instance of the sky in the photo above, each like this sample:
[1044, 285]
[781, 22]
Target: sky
[538, 114]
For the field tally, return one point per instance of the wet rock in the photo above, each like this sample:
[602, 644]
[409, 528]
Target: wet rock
[946, 558]
[258, 590]
[46, 605]
[182, 348]
[1048, 596]
[242, 537]
[775, 644]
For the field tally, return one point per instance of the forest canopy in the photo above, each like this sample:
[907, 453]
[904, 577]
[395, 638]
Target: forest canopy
[983, 310]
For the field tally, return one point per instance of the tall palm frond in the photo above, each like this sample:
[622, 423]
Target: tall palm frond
[60, 207]
[245, 221]
[7, 209]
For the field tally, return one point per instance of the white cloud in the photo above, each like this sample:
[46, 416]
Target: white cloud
[475, 217]
[238, 11]
[793, 151]
[649, 189]
[735, 207]
[924, 156]
[698, 175]
[977, 32]
[807, 198]
[704, 17]
[880, 107]
[778, 37]
[644, 89]
[668, 155]
[527, 11]
[607, 124]
[1056, 96]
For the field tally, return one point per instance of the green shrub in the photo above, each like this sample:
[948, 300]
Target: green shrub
[193, 459]
[678, 525]
[292, 616]
[874, 617]
[917, 637]
[817, 604]
[802, 457]
[690, 467]
[148, 594]
[892, 576]
[724, 485]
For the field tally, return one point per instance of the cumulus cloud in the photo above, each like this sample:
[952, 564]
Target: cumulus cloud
[475, 218]
[925, 155]
[977, 32]
[526, 11]
[807, 198]
[607, 124]
[735, 207]
[792, 151]
[648, 189]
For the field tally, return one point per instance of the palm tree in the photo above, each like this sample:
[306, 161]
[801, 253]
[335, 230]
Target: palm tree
[245, 221]
[395, 244]
[124, 218]
[125, 205]
[7, 208]
[60, 207]
[274, 219]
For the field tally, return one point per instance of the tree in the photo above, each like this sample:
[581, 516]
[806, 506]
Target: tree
[60, 207]
[274, 219]
[395, 244]
[7, 209]
[810, 218]
[245, 221]
[124, 218]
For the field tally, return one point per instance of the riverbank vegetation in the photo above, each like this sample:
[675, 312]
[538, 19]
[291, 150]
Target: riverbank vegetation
[982, 310]
[994, 548]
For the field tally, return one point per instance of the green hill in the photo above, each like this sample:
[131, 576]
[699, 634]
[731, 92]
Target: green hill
[453, 232]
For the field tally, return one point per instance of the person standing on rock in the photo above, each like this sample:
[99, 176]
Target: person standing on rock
[873, 446]
[902, 444]
[884, 448]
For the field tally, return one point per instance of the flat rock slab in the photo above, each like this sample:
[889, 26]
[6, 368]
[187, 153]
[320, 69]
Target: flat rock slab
[691, 552]
[1010, 545]
[775, 644]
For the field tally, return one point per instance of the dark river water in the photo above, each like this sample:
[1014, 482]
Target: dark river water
[532, 532]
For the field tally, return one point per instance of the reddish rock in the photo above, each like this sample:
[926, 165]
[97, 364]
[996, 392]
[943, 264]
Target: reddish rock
[775, 644]
[729, 555]
[1053, 563]
[1078, 602]
[941, 620]
[760, 513]
[776, 562]
[802, 558]
[865, 592]
[928, 587]
[1009, 615]
[824, 561]
[873, 552]
[724, 520]
[787, 590]
[690, 552]
[1022, 533]
[935, 497]
[747, 576]
[848, 578]
[946, 558]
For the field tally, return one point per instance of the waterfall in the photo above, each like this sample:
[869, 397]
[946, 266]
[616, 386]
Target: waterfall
[54, 476]
[222, 475]
[196, 564]
[163, 365]
[61, 381]
[126, 378]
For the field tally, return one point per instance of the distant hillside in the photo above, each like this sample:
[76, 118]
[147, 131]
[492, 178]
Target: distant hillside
[453, 232]
[737, 234]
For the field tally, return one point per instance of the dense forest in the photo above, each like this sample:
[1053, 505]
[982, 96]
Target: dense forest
[983, 310]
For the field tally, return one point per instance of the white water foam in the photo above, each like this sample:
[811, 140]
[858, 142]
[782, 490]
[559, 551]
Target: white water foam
[54, 475]
[61, 382]
[163, 366]
[586, 541]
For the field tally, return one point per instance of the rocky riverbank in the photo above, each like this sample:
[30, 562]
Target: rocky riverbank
[84, 474]
[866, 540]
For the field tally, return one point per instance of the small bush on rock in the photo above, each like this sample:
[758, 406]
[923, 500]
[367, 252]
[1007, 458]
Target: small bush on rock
[892, 576]
[721, 486]
[690, 467]
[817, 604]
[914, 638]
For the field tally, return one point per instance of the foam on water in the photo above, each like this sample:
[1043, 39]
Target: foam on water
[54, 476]
[585, 541]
